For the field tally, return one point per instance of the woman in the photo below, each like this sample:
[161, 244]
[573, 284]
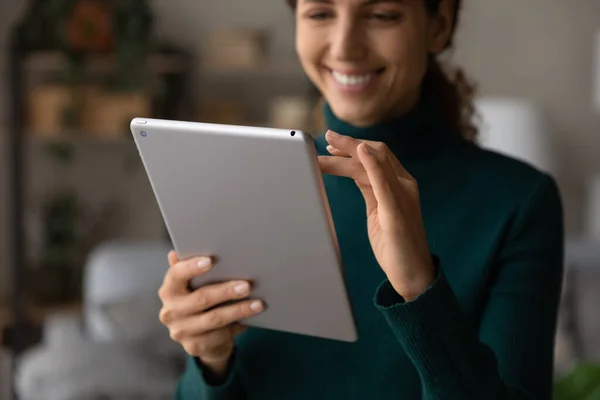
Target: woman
[454, 282]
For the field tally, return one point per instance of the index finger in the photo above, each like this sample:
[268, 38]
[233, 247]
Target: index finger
[342, 145]
[345, 167]
[177, 278]
[347, 146]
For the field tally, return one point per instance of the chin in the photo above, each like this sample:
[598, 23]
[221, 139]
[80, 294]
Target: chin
[354, 113]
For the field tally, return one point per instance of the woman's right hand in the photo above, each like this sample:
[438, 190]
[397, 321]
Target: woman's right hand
[197, 319]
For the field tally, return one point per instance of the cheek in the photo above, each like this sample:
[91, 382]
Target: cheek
[307, 44]
[310, 48]
[407, 57]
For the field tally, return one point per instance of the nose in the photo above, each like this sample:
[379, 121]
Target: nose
[347, 43]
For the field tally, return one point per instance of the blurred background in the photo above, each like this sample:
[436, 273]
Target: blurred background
[82, 244]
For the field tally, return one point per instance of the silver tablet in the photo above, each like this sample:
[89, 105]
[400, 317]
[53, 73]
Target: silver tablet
[254, 199]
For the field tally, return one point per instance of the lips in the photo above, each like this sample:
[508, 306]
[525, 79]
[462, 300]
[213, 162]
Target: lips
[351, 80]
[354, 81]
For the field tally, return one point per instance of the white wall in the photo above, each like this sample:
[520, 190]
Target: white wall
[540, 49]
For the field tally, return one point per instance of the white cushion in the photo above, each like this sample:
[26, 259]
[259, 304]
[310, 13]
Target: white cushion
[87, 370]
[117, 271]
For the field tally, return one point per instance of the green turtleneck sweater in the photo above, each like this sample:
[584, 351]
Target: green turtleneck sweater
[483, 330]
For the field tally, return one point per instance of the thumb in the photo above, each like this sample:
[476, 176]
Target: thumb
[173, 258]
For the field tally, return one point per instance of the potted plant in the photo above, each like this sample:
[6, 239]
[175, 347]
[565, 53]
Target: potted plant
[120, 31]
[583, 383]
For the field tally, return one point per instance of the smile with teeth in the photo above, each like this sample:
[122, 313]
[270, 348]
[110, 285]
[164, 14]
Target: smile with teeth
[352, 80]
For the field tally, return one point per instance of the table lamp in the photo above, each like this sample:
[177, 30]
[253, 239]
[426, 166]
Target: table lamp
[517, 128]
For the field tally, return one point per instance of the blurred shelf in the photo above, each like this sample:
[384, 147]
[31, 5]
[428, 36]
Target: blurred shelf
[71, 140]
[52, 61]
[287, 68]
[28, 68]
[78, 137]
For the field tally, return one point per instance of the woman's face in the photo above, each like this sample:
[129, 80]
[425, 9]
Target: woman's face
[368, 57]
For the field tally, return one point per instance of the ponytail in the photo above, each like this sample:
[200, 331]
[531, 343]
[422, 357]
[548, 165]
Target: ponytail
[456, 93]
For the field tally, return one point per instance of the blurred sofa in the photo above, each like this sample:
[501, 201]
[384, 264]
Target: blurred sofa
[118, 349]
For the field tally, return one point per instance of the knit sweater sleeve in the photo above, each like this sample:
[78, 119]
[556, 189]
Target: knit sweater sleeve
[509, 356]
[195, 385]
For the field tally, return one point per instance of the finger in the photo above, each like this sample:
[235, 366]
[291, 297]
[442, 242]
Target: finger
[381, 176]
[346, 167]
[202, 300]
[352, 169]
[223, 316]
[336, 152]
[396, 165]
[173, 258]
[177, 278]
[342, 143]
[347, 145]
[207, 297]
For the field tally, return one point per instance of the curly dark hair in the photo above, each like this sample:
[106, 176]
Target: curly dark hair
[450, 82]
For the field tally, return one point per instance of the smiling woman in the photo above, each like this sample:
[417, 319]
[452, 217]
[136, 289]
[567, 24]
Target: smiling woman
[453, 255]
[394, 40]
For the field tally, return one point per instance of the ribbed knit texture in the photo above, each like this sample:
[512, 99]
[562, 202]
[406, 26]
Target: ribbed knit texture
[485, 328]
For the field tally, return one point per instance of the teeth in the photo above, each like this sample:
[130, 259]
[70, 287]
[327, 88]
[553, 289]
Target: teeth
[350, 80]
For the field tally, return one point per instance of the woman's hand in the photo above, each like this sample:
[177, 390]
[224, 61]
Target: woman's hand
[391, 194]
[197, 320]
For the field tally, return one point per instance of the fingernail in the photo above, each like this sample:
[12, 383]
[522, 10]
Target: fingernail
[330, 148]
[204, 263]
[256, 306]
[242, 288]
[332, 133]
[367, 149]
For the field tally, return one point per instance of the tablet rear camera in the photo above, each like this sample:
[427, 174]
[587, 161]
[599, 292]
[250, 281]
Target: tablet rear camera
[143, 133]
[293, 133]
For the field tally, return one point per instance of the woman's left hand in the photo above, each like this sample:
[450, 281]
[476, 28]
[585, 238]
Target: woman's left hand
[394, 222]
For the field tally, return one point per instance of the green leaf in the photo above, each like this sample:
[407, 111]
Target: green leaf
[581, 384]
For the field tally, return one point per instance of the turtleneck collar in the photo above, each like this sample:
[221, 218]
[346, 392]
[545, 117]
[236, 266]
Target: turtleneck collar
[416, 136]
